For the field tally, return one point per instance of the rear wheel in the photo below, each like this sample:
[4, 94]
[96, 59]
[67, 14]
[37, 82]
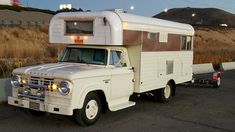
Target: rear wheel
[163, 95]
[90, 111]
[217, 82]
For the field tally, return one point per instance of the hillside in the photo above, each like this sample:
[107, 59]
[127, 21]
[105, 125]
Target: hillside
[203, 16]
[22, 16]
[19, 9]
[214, 45]
[25, 46]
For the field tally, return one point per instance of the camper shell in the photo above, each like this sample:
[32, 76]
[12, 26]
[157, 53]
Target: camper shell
[148, 40]
[115, 55]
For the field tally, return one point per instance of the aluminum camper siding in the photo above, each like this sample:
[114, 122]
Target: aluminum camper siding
[150, 58]
[141, 23]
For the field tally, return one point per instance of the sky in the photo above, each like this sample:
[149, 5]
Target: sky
[141, 7]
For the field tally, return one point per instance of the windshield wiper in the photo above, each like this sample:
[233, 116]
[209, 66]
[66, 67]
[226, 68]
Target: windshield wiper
[84, 62]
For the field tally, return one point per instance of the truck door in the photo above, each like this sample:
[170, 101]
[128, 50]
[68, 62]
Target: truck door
[122, 75]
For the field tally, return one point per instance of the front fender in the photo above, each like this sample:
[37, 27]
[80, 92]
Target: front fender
[88, 90]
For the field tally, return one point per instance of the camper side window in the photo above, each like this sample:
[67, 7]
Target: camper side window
[152, 36]
[186, 43]
[163, 37]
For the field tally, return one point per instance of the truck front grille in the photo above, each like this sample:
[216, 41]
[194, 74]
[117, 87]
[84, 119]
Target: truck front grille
[36, 88]
[41, 81]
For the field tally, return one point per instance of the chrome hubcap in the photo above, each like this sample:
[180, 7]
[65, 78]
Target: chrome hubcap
[218, 81]
[167, 91]
[91, 109]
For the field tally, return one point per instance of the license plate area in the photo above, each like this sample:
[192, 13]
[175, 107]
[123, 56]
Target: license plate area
[34, 106]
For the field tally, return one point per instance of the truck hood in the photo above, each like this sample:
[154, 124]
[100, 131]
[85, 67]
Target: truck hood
[64, 70]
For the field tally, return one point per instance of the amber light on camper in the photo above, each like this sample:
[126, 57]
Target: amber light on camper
[78, 41]
[85, 37]
[72, 37]
[125, 25]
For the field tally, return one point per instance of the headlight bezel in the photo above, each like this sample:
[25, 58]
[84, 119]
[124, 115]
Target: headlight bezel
[16, 81]
[64, 87]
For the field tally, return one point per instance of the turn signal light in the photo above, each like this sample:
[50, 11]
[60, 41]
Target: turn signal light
[23, 81]
[54, 87]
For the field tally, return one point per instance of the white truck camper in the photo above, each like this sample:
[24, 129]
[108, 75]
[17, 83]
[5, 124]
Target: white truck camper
[110, 56]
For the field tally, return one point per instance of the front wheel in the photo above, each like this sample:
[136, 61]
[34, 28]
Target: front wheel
[90, 111]
[163, 95]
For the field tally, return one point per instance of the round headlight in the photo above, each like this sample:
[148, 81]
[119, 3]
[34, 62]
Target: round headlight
[64, 88]
[16, 81]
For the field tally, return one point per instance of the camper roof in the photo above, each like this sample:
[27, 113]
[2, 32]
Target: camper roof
[108, 27]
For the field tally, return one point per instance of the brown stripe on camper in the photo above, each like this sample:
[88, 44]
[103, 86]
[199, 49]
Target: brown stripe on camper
[135, 38]
[132, 37]
[173, 43]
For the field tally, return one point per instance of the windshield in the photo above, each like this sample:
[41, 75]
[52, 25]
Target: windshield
[85, 55]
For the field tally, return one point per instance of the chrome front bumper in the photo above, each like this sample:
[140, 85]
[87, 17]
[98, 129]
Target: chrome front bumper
[40, 106]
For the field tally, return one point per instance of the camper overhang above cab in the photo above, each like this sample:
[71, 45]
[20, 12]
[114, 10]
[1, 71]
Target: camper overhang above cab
[107, 27]
[95, 28]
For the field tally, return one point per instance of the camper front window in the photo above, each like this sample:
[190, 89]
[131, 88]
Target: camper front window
[79, 27]
[85, 55]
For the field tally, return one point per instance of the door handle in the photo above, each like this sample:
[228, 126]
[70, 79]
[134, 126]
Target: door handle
[106, 81]
[132, 68]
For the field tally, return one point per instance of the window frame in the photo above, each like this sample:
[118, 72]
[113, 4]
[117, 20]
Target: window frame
[150, 37]
[80, 34]
[188, 46]
[114, 65]
[69, 49]
[163, 37]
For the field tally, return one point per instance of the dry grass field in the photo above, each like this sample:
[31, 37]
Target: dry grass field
[214, 45]
[29, 46]
[25, 46]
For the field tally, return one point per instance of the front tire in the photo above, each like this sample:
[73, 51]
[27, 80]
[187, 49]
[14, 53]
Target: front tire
[90, 112]
[164, 94]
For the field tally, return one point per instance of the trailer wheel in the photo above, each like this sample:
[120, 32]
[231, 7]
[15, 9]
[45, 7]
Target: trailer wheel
[90, 111]
[163, 95]
[217, 82]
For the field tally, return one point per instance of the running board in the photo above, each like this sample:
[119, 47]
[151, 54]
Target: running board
[122, 106]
